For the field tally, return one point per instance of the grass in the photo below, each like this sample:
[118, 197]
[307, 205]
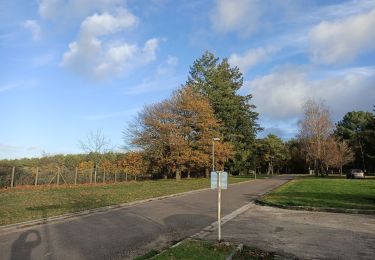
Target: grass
[325, 193]
[22, 204]
[194, 249]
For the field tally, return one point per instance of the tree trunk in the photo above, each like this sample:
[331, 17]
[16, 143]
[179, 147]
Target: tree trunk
[103, 175]
[206, 172]
[92, 169]
[363, 156]
[95, 171]
[188, 173]
[126, 177]
[178, 175]
[115, 177]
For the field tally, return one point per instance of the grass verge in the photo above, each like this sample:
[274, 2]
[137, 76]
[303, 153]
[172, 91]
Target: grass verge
[22, 204]
[197, 249]
[325, 193]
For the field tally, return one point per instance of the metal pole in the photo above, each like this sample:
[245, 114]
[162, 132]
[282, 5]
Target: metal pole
[219, 207]
[213, 155]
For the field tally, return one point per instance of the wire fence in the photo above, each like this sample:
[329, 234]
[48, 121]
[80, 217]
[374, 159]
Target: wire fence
[11, 177]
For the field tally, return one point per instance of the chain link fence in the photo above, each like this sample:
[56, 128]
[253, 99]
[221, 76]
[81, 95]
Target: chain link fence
[20, 176]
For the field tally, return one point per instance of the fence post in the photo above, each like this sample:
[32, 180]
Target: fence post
[12, 180]
[75, 176]
[58, 175]
[36, 176]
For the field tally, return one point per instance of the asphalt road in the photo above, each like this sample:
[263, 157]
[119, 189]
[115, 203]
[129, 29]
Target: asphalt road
[130, 231]
[303, 234]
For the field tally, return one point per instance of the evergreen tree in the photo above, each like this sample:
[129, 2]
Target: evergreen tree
[357, 128]
[220, 83]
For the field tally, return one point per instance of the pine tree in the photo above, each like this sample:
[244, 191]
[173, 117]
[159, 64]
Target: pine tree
[220, 82]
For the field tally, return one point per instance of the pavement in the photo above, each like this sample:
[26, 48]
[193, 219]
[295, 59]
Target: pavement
[303, 234]
[130, 231]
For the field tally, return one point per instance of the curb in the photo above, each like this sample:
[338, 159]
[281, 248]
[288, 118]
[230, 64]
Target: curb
[59, 218]
[316, 209]
[235, 251]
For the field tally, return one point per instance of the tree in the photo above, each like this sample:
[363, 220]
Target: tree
[220, 84]
[273, 153]
[357, 128]
[345, 155]
[95, 145]
[177, 133]
[134, 164]
[297, 160]
[314, 131]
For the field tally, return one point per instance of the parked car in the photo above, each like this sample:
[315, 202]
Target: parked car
[355, 174]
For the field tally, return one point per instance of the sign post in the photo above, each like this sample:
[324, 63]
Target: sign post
[219, 181]
[219, 209]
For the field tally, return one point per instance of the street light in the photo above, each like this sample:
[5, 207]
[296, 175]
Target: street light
[218, 190]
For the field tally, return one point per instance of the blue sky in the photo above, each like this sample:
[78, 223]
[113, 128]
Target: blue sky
[68, 67]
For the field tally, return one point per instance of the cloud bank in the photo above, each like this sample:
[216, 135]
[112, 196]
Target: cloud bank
[98, 54]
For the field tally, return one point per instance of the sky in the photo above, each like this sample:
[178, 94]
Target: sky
[70, 67]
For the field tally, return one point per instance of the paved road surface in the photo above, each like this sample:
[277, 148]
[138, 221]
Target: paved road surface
[304, 234]
[130, 231]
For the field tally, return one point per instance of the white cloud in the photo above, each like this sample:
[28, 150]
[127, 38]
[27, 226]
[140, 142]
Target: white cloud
[280, 95]
[251, 57]
[236, 15]
[34, 28]
[341, 41]
[96, 56]
[72, 9]
[105, 23]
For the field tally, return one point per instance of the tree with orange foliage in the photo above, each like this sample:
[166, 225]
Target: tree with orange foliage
[177, 133]
[86, 165]
[134, 164]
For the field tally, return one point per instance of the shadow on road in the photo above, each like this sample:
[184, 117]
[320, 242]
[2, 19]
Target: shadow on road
[25, 243]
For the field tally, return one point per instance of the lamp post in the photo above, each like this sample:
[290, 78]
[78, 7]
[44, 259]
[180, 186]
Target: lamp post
[218, 190]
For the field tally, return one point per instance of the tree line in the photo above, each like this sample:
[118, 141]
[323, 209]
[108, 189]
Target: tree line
[174, 137]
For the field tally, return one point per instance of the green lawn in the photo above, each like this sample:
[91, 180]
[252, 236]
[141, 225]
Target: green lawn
[195, 249]
[21, 204]
[325, 193]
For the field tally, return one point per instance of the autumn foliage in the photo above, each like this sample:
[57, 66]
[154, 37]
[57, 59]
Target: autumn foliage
[176, 135]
